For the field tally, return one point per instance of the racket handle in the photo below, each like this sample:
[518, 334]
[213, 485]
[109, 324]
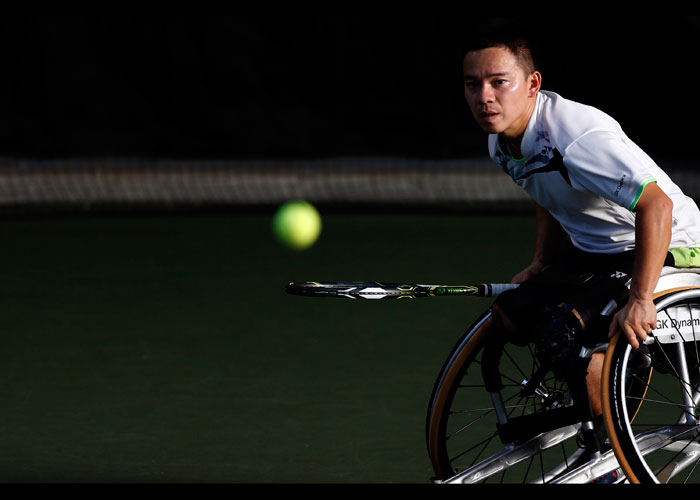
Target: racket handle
[494, 289]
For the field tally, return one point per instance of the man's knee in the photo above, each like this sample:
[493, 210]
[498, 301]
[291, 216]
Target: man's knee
[557, 336]
[507, 329]
[501, 319]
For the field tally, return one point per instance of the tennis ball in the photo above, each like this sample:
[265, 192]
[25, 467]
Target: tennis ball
[297, 225]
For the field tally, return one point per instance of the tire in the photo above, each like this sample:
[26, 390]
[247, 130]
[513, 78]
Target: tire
[645, 398]
[461, 422]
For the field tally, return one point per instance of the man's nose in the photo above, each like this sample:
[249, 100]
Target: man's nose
[486, 94]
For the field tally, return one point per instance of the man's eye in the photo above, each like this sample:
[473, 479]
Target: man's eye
[501, 82]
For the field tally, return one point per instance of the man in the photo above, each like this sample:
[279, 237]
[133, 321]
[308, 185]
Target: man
[605, 211]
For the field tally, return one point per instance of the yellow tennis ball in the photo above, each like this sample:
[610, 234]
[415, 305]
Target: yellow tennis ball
[297, 225]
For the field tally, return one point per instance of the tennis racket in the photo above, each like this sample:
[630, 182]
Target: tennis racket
[376, 290]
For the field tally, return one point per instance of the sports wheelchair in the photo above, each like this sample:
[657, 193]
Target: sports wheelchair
[539, 428]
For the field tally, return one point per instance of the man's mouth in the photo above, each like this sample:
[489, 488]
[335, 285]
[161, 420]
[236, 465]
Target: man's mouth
[488, 115]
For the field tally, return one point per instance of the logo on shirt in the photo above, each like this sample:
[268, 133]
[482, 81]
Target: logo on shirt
[551, 161]
[546, 159]
[619, 186]
[618, 274]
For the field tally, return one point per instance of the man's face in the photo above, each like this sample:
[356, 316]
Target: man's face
[499, 93]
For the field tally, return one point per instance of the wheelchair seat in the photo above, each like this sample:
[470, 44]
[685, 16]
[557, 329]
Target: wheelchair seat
[677, 277]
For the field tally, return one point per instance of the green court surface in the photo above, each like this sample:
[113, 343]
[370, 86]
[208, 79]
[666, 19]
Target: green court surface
[164, 349]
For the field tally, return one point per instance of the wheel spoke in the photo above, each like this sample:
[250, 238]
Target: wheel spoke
[685, 481]
[684, 385]
[647, 400]
[485, 442]
[469, 424]
[516, 365]
[489, 409]
[527, 471]
[541, 466]
[679, 452]
[685, 341]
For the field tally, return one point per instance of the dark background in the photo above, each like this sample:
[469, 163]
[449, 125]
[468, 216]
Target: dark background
[164, 349]
[316, 86]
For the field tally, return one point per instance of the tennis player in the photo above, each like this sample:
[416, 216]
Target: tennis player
[605, 211]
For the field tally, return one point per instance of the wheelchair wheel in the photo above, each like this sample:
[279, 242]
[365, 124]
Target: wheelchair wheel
[650, 395]
[461, 431]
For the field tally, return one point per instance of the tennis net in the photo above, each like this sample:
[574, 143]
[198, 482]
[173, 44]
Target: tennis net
[95, 184]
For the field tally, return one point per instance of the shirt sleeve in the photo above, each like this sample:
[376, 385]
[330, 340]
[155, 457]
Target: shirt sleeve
[609, 165]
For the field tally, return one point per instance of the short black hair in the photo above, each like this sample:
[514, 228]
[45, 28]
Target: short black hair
[516, 45]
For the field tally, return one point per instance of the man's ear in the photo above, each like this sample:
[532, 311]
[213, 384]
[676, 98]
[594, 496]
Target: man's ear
[535, 81]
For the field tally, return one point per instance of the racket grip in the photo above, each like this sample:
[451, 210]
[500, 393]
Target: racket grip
[494, 289]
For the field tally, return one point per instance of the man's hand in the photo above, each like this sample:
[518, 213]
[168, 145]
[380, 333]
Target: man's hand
[527, 273]
[635, 321]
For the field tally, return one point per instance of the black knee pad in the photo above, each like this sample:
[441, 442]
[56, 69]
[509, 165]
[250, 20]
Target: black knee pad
[557, 339]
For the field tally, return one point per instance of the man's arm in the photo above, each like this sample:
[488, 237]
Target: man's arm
[652, 238]
[547, 242]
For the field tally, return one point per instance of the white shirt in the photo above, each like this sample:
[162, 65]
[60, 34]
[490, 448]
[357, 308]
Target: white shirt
[579, 165]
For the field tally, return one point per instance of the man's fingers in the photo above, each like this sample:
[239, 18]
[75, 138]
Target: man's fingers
[641, 334]
[631, 336]
[634, 323]
[636, 334]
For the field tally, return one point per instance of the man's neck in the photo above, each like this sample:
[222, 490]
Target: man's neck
[514, 139]
[512, 146]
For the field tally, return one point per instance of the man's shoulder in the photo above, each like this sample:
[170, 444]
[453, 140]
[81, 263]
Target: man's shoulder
[567, 120]
[555, 103]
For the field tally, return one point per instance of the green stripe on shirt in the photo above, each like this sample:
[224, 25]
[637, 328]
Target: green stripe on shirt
[639, 193]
